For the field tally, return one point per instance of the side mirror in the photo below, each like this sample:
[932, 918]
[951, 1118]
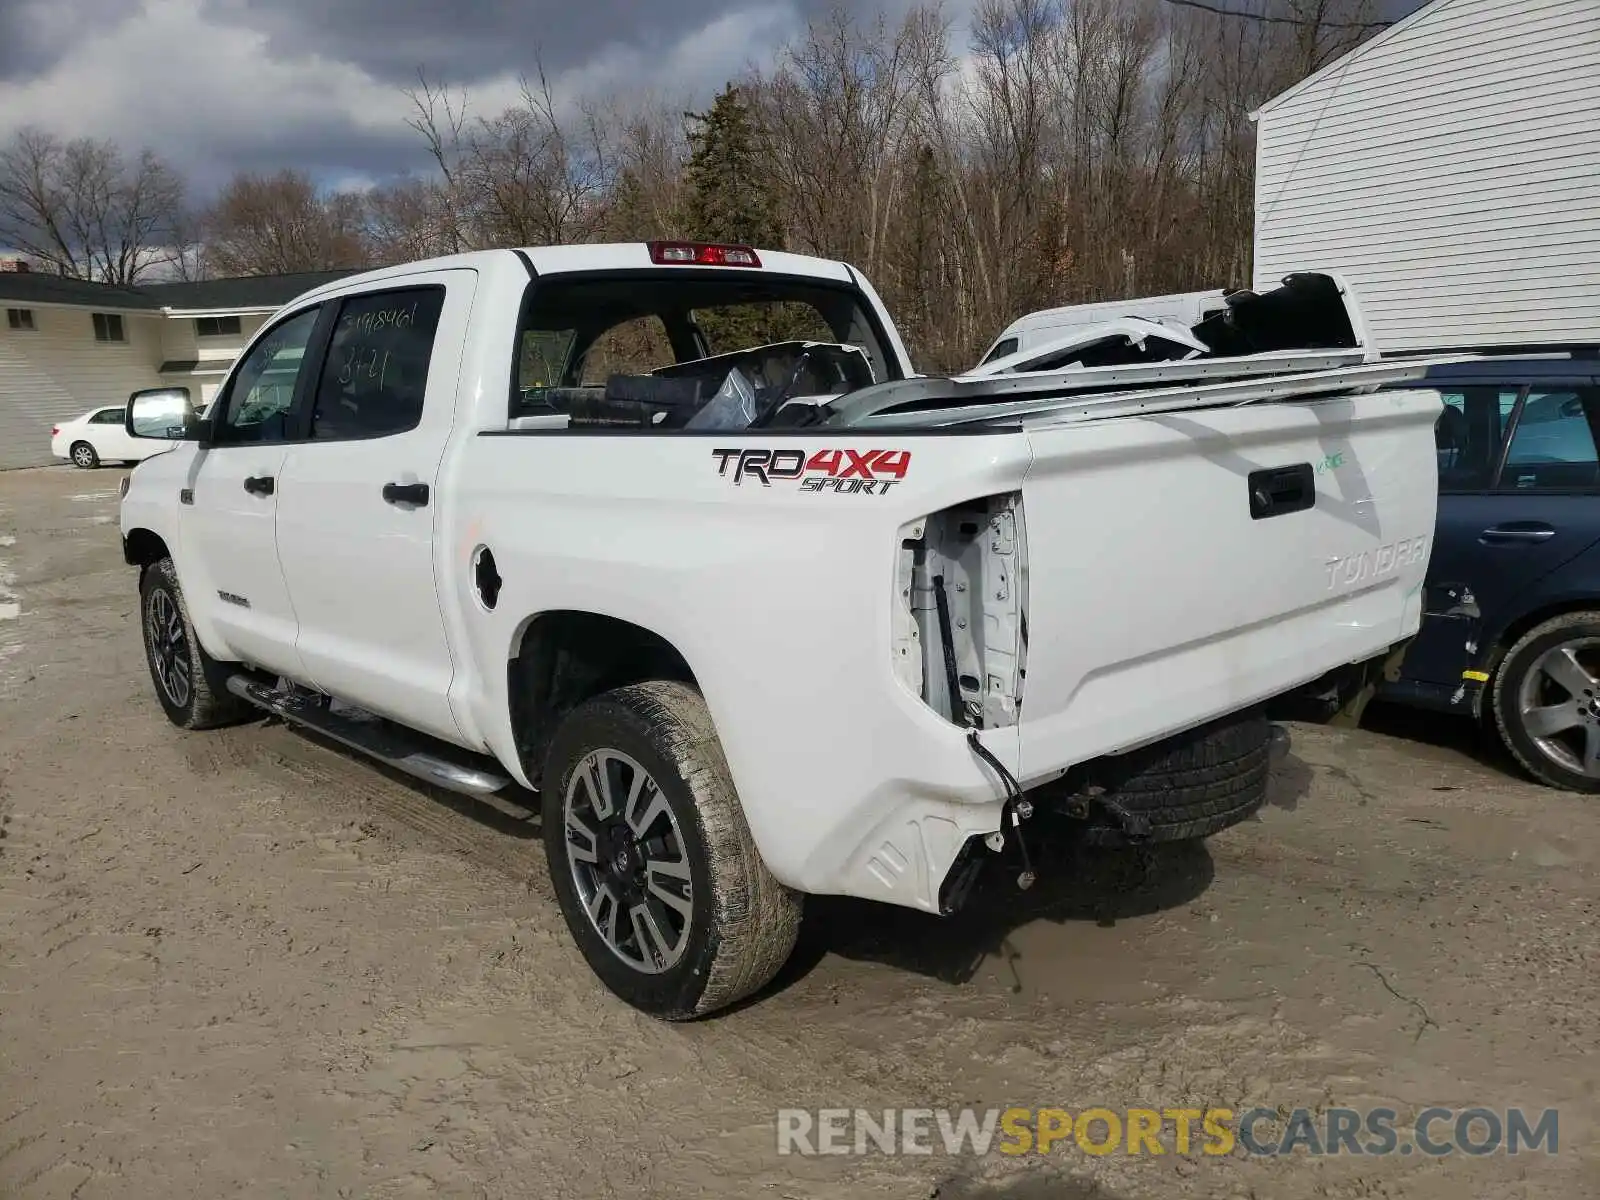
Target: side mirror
[164, 413]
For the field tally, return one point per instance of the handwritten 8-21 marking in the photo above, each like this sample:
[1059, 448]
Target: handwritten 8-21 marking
[853, 472]
[364, 362]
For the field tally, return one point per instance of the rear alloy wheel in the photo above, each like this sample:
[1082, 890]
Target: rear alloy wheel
[84, 457]
[626, 853]
[655, 869]
[1547, 702]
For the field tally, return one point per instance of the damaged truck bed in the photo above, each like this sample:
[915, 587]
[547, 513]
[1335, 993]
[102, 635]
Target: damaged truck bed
[670, 541]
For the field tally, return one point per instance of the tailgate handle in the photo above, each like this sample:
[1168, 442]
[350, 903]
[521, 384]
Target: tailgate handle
[1281, 490]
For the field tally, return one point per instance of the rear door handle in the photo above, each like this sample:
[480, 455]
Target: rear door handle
[259, 485]
[1531, 531]
[406, 493]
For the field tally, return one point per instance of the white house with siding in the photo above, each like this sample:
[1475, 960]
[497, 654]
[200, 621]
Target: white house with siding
[1450, 169]
[68, 346]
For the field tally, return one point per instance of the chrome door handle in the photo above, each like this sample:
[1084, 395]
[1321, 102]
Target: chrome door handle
[1517, 533]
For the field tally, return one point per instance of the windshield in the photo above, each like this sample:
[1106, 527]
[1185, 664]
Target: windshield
[712, 350]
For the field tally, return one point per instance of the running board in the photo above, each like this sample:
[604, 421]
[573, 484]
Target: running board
[381, 741]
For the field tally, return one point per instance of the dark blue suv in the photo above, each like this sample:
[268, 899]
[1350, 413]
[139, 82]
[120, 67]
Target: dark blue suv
[1511, 616]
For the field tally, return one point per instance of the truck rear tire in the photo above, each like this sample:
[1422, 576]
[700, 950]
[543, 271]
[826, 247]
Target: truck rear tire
[191, 685]
[1190, 786]
[653, 864]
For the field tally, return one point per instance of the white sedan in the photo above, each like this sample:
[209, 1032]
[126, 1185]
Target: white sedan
[98, 436]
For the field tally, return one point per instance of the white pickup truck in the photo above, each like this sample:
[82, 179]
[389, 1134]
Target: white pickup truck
[671, 535]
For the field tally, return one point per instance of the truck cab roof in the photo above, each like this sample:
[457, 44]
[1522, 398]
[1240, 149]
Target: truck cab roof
[610, 257]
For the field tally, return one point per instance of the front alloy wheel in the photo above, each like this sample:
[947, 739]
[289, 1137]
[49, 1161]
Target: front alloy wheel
[191, 685]
[167, 641]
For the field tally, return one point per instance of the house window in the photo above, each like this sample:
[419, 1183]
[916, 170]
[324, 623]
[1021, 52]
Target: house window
[108, 327]
[20, 318]
[216, 326]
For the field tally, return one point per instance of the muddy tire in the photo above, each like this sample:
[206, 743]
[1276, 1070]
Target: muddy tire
[1190, 786]
[83, 456]
[190, 684]
[1546, 702]
[653, 864]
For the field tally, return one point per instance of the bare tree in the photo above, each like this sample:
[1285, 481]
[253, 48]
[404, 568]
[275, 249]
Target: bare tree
[533, 174]
[412, 218]
[83, 209]
[539, 179]
[280, 224]
[440, 118]
[1077, 150]
[647, 199]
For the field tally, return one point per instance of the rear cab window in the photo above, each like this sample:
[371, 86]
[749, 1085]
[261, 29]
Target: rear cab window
[669, 350]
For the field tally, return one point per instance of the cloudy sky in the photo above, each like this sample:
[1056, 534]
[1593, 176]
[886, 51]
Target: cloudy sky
[223, 85]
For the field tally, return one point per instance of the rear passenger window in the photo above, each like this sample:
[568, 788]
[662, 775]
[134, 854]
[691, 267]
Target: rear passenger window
[376, 373]
[1553, 447]
[1469, 435]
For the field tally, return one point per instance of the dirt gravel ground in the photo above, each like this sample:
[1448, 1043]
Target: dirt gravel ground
[245, 964]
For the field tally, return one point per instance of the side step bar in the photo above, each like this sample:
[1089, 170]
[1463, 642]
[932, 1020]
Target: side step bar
[380, 741]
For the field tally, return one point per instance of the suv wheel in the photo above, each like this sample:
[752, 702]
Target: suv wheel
[1547, 702]
[657, 875]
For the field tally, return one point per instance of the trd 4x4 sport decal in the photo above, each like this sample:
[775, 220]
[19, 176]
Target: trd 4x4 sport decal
[872, 472]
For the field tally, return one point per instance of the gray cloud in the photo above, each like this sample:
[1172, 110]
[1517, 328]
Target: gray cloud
[37, 34]
[333, 151]
[391, 39]
[219, 86]
[477, 39]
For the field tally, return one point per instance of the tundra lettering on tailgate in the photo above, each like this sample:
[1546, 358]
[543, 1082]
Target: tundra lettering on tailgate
[869, 472]
[1374, 564]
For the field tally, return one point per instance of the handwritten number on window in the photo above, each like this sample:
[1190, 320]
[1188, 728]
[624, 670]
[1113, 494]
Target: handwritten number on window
[364, 364]
[404, 317]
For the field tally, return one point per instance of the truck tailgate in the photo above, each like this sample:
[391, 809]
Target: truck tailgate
[1186, 564]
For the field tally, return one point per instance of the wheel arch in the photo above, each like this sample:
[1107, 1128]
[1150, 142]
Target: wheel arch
[143, 548]
[563, 657]
[1513, 631]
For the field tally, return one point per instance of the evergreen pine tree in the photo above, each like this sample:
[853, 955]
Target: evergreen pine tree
[730, 197]
[730, 194]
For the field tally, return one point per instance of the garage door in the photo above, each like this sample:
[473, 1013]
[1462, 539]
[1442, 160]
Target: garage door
[57, 371]
[28, 408]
